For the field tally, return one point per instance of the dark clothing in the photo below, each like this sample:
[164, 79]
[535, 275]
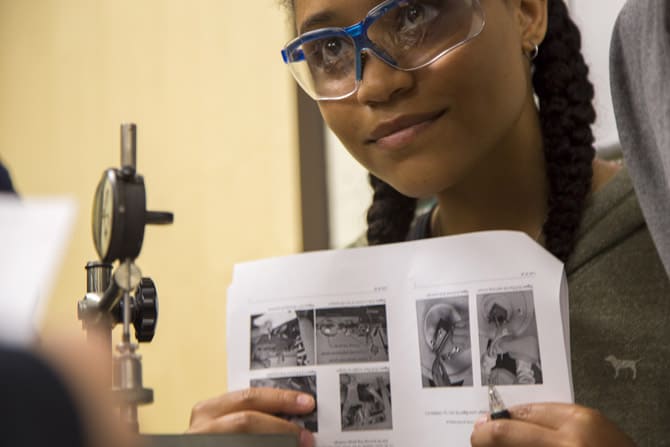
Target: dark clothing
[5, 180]
[36, 409]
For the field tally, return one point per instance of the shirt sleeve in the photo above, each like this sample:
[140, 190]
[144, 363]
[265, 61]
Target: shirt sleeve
[36, 408]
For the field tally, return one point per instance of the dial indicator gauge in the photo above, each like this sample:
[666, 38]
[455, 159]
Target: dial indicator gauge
[103, 213]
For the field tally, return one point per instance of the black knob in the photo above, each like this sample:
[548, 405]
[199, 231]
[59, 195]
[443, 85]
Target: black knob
[145, 315]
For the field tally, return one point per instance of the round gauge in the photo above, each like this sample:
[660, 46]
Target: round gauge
[120, 214]
[103, 213]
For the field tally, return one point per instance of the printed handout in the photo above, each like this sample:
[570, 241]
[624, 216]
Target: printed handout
[398, 343]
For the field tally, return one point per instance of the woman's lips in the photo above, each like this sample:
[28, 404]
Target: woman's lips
[401, 131]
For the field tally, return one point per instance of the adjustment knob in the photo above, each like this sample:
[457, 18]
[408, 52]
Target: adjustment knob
[146, 310]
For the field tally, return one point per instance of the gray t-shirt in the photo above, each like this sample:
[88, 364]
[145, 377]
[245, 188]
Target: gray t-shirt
[620, 316]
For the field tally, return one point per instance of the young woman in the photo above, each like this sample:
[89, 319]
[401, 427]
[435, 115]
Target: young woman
[485, 106]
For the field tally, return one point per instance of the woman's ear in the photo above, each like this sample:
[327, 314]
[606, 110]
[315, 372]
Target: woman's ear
[532, 19]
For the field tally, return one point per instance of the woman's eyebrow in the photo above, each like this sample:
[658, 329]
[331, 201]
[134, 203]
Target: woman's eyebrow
[316, 20]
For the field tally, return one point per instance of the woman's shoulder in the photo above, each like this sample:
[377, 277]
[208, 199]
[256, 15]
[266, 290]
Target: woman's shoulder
[612, 196]
[604, 171]
[611, 217]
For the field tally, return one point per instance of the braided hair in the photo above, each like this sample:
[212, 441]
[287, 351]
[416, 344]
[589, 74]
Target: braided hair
[566, 114]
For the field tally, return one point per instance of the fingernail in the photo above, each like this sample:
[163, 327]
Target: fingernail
[481, 420]
[305, 401]
[306, 439]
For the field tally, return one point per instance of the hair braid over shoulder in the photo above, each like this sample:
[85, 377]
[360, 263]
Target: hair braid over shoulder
[390, 215]
[565, 95]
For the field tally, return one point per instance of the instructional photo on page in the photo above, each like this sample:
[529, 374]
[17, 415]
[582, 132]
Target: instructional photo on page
[508, 339]
[303, 384]
[365, 401]
[351, 334]
[280, 339]
[402, 339]
[443, 325]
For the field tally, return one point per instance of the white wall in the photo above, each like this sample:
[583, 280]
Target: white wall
[349, 194]
[348, 191]
[596, 19]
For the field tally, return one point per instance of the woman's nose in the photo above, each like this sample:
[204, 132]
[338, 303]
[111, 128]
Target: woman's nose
[380, 82]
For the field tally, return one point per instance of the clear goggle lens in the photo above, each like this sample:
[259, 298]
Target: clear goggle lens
[406, 34]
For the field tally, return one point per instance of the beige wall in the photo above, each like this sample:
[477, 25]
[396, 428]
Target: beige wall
[203, 79]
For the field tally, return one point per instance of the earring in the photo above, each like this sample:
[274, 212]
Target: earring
[532, 54]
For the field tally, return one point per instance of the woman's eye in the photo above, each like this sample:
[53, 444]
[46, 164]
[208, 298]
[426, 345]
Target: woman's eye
[417, 14]
[332, 47]
[413, 13]
[326, 51]
[329, 55]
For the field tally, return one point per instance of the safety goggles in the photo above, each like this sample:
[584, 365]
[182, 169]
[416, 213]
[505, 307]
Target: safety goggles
[405, 34]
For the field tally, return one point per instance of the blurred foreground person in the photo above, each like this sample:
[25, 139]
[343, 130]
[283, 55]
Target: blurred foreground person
[58, 395]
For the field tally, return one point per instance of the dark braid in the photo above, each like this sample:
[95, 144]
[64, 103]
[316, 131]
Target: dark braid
[390, 214]
[561, 83]
[566, 114]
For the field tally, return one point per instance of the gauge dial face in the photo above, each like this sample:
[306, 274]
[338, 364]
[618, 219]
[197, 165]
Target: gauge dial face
[103, 214]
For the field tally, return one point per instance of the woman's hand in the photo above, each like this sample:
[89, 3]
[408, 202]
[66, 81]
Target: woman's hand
[253, 410]
[549, 424]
